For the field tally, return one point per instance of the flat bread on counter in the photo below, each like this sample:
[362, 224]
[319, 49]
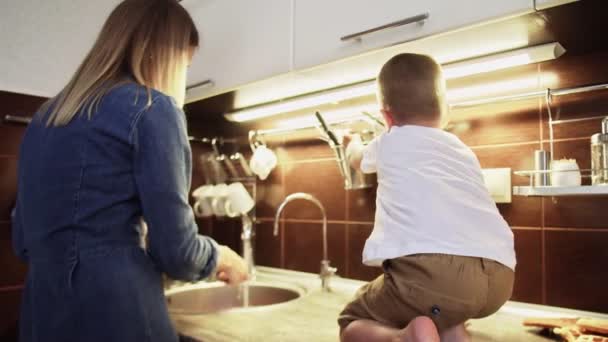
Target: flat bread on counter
[550, 323]
[573, 329]
[594, 325]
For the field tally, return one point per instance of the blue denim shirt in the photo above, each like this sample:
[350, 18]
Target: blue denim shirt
[82, 191]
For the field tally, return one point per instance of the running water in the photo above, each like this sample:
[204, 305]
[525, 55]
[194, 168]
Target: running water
[244, 294]
[244, 288]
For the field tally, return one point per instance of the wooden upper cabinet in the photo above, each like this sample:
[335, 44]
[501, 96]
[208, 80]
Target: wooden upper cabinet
[240, 42]
[326, 31]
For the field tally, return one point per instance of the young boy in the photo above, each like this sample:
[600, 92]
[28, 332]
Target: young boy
[446, 252]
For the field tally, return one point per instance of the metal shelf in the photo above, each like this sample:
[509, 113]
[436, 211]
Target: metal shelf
[584, 190]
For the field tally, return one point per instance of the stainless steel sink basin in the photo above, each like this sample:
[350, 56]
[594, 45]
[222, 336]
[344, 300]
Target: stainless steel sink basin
[215, 297]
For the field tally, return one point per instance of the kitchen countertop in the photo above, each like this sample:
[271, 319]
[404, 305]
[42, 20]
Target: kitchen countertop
[312, 317]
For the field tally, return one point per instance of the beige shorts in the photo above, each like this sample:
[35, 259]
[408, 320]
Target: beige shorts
[447, 288]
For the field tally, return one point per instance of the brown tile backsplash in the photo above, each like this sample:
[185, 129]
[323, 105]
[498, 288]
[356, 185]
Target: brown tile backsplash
[307, 150]
[522, 211]
[20, 104]
[198, 171]
[575, 129]
[572, 149]
[361, 205]
[12, 270]
[270, 193]
[517, 157]
[205, 226]
[10, 301]
[357, 234]
[572, 71]
[8, 186]
[227, 231]
[267, 246]
[528, 272]
[576, 269]
[577, 212]
[11, 138]
[499, 129]
[300, 236]
[322, 179]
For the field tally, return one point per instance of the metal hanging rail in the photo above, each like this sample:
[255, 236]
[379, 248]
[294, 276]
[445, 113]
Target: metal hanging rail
[531, 95]
[464, 104]
[17, 119]
[210, 141]
[472, 103]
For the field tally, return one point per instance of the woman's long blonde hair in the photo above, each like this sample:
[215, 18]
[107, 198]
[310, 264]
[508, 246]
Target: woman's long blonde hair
[147, 41]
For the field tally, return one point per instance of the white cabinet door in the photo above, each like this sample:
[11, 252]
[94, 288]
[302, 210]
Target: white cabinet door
[241, 41]
[319, 25]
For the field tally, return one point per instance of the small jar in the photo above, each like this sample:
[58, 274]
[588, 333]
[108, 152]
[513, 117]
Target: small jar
[565, 172]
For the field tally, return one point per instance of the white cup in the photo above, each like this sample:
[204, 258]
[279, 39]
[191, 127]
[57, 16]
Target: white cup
[239, 199]
[202, 206]
[220, 202]
[565, 172]
[262, 161]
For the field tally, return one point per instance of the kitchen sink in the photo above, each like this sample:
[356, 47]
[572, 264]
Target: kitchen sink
[214, 297]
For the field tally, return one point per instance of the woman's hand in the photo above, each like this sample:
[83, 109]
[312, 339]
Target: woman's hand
[231, 268]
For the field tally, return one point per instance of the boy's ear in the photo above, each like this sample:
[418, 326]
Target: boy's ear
[388, 117]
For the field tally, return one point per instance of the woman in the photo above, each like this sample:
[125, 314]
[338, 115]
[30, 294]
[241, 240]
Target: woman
[109, 149]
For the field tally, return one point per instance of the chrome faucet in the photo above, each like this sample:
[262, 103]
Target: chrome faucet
[326, 270]
[246, 235]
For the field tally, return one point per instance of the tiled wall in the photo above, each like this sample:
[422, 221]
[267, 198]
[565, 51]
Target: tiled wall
[12, 271]
[561, 243]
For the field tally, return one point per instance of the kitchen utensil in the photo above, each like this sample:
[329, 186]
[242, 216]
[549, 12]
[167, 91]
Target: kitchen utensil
[216, 170]
[599, 156]
[542, 160]
[227, 162]
[242, 163]
[374, 119]
[326, 130]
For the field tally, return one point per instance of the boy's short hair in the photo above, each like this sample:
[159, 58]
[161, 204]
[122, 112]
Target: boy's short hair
[412, 88]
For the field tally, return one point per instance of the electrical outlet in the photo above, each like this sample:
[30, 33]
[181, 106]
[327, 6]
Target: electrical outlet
[498, 183]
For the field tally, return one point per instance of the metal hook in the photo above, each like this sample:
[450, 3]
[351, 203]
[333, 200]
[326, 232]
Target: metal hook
[255, 141]
[216, 150]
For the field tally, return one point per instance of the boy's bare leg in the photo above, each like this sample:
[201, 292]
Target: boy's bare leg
[421, 329]
[456, 334]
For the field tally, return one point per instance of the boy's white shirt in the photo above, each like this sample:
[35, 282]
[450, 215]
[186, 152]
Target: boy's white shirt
[431, 198]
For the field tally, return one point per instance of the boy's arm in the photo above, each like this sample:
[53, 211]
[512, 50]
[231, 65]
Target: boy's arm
[353, 151]
[359, 156]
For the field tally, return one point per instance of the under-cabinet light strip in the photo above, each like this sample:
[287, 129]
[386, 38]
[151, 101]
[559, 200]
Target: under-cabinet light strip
[478, 65]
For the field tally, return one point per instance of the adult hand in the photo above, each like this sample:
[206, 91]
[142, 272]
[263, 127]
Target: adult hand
[231, 268]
